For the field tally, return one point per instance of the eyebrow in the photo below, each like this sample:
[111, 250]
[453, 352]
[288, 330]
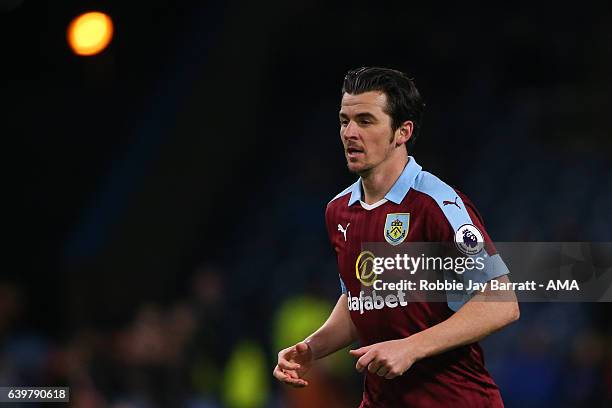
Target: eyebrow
[362, 115]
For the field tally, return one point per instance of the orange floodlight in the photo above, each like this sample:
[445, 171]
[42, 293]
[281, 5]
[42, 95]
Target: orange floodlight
[90, 33]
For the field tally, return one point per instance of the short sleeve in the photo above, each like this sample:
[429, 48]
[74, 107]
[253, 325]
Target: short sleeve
[342, 286]
[459, 231]
[328, 222]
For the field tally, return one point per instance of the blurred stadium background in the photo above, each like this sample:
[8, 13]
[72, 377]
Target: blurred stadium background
[168, 236]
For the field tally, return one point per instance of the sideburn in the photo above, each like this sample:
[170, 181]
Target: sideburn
[392, 136]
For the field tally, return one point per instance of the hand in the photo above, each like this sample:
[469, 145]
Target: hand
[388, 359]
[293, 363]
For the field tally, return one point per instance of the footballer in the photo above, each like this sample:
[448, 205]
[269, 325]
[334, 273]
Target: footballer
[412, 354]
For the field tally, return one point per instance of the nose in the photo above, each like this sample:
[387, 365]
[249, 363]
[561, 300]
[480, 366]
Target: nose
[351, 131]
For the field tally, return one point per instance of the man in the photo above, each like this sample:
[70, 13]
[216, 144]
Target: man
[413, 354]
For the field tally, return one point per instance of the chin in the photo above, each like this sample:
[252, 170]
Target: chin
[353, 167]
[357, 168]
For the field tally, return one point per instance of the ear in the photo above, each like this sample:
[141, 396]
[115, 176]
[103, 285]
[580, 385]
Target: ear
[404, 133]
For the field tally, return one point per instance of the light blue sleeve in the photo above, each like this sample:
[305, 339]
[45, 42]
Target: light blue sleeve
[457, 215]
[342, 286]
[494, 267]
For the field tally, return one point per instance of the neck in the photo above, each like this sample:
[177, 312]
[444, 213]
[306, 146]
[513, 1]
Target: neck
[379, 180]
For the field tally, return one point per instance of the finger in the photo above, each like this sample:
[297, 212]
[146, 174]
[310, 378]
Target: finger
[360, 351]
[295, 382]
[280, 374]
[382, 371]
[288, 365]
[364, 360]
[301, 348]
[287, 379]
[291, 373]
[287, 357]
[392, 374]
[374, 366]
[289, 352]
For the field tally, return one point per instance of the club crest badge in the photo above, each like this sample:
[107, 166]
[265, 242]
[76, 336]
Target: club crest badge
[396, 227]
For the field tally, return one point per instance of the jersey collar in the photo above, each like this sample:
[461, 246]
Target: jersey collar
[399, 190]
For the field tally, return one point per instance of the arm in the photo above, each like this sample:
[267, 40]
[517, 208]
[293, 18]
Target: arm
[485, 313]
[337, 332]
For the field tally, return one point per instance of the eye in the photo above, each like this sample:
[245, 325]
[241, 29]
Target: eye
[344, 122]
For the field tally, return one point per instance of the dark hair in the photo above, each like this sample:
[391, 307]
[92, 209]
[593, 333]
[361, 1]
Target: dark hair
[403, 99]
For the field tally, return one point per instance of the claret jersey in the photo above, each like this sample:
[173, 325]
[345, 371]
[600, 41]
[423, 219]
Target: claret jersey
[418, 208]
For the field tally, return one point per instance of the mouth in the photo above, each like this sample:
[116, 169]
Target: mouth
[354, 152]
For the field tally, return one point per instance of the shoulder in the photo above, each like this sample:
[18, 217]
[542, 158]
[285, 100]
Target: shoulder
[445, 202]
[432, 186]
[343, 196]
[338, 205]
